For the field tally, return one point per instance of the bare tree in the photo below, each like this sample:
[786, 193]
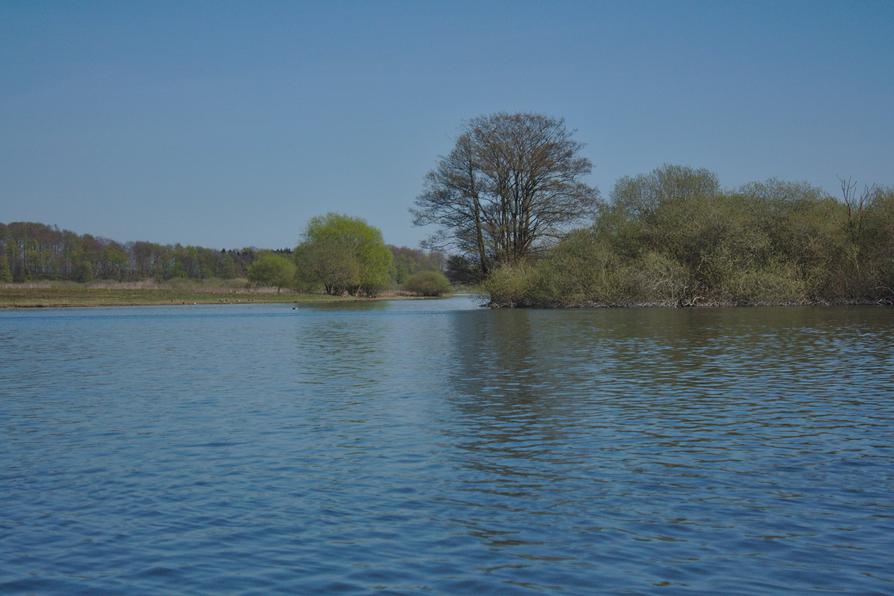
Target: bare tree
[509, 185]
[856, 205]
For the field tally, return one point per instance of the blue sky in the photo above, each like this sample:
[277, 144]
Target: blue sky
[230, 124]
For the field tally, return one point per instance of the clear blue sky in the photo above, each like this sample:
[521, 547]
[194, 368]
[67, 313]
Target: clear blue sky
[230, 124]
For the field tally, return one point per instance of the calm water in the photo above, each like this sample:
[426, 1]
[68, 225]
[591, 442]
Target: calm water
[437, 446]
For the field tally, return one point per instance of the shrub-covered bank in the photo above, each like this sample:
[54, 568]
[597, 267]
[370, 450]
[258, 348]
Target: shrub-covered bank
[675, 238]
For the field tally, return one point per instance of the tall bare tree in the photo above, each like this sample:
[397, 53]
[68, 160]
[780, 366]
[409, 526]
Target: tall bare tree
[509, 185]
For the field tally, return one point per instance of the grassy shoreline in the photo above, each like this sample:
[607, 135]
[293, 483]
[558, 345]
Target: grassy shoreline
[62, 295]
[148, 293]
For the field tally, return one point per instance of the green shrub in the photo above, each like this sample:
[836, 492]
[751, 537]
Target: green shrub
[581, 269]
[427, 283]
[775, 284]
[512, 285]
[271, 269]
[654, 279]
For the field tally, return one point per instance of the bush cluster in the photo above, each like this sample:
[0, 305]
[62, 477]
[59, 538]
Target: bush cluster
[427, 283]
[271, 269]
[674, 238]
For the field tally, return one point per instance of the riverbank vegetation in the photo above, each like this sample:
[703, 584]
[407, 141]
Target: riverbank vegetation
[427, 283]
[510, 201]
[674, 237]
[510, 206]
[42, 264]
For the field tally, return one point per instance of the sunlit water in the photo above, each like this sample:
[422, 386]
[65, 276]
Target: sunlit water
[439, 446]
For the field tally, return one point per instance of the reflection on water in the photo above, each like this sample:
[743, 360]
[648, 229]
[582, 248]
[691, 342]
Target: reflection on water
[690, 447]
[438, 446]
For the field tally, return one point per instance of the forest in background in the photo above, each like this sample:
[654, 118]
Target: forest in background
[39, 252]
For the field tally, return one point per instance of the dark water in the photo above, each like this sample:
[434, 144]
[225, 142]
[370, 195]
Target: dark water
[436, 446]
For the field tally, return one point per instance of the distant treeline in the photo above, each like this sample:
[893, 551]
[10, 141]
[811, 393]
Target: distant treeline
[673, 237]
[34, 251]
[409, 261]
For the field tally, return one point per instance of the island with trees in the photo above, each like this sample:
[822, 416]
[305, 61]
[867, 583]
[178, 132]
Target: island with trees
[513, 218]
[510, 202]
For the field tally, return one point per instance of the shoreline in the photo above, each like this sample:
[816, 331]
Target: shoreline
[701, 306]
[309, 302]
[37, 297]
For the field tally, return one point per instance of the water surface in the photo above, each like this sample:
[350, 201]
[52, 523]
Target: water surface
[437, 446]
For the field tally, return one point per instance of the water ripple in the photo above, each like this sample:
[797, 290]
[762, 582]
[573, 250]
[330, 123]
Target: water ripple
[437, 446]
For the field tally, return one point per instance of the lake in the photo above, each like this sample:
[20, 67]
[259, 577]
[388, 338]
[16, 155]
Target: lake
[438, 446]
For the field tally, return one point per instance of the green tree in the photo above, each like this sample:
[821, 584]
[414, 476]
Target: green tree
[271, 269]
[343, 255]
[5, 272]
[114, 262]
[84, 271]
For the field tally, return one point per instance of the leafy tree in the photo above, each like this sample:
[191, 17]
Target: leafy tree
[114, 262]
[5, 271]
[343, 255]
[511, 184]
[84, 272]
[271, 269]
